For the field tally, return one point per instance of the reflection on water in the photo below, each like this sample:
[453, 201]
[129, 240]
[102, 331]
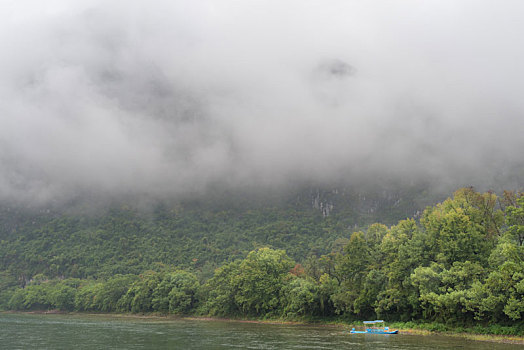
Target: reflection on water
[26, 331]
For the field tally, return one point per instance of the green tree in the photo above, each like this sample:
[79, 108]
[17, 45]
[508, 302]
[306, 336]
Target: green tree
[86, 295]
[32, 297]
[352, 266]
[221, 289]
[8, 284]
[109, 292]
[176, 293]
[300, 297]
[62, 295]
[458, 230]
[445, 293]
[139, 296]
[403, 249]
[515, 220]
[504, 286]
[261, 278]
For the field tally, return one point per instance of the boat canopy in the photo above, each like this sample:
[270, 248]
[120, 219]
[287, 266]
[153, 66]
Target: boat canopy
[373, 322]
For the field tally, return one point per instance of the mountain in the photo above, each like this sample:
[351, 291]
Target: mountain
[198, 233]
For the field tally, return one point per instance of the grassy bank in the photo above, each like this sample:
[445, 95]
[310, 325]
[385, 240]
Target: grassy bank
[493, 329]
[494, 333]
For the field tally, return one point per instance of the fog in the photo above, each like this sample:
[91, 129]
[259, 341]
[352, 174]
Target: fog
[169, 98]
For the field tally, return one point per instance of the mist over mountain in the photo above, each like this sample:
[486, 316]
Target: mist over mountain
[178, 98]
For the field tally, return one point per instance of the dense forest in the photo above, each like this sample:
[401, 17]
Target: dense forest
[197, 234]
[460, 261]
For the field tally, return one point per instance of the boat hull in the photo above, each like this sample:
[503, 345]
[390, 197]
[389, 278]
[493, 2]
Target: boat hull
[374, 332]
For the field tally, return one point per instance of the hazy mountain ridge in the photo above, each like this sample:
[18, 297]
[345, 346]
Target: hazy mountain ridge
[199, 233]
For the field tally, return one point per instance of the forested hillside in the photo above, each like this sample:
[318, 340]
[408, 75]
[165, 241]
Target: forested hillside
[198, 234]
[460, 261]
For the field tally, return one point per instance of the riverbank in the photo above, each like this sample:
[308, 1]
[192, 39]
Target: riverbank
[499, 338]
[492, 333]
[418, 330]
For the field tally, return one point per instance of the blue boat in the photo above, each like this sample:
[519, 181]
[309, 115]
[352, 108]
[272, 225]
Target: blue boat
[375, 327]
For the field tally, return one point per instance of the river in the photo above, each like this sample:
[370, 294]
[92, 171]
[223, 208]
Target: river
[34, 331]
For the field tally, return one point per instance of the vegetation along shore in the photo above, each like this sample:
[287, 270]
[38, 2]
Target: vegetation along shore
[457, 268]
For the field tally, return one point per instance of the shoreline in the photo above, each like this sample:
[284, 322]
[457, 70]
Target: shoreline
[504, 339]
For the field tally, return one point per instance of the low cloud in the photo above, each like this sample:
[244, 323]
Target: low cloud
[167, 98]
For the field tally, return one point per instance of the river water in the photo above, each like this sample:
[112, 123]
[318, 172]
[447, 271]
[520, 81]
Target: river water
[32, 331]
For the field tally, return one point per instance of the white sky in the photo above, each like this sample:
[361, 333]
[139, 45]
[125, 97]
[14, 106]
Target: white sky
[165, 97]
